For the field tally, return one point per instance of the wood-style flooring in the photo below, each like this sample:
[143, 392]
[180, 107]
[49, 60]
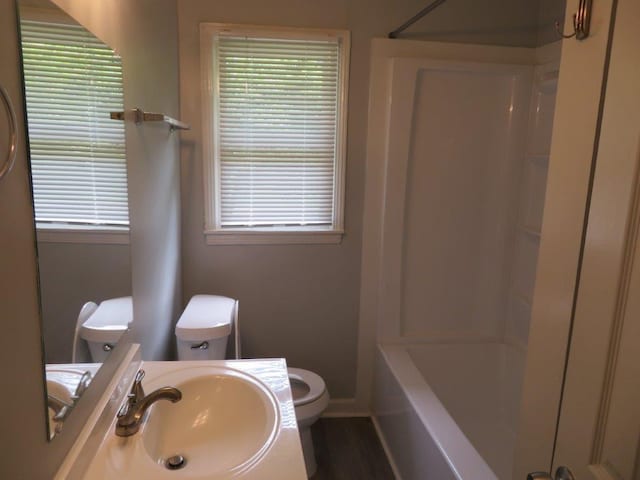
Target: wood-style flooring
[349, 449]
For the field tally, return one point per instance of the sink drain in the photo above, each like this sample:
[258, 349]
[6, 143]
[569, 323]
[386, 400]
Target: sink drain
[175, 463]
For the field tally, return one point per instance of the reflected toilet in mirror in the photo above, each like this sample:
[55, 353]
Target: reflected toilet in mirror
[79, 179]
[99, 329]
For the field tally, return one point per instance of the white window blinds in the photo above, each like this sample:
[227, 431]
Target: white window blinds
[78, 166]
[276, 114]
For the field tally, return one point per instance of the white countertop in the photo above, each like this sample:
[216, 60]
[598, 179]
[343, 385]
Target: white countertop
[283, 460]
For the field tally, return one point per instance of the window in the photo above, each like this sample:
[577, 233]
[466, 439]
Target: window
[72, 82]
[274, 139]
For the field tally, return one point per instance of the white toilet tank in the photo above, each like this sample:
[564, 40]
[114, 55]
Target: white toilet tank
[103, 329]
[204, 327]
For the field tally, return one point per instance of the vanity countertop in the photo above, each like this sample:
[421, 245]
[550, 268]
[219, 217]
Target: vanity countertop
[129, 457]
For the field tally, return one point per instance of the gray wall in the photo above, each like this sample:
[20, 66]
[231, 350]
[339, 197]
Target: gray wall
[301, 301]
[550, 12]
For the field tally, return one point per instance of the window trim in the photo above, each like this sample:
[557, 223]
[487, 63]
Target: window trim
[214, 234]
[66, 233]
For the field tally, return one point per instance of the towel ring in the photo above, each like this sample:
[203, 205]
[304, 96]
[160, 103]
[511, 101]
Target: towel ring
[13, 135]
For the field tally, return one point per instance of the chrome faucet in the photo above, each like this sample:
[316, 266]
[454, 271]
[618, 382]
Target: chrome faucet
[59, 406]
[82, 386]
[132, 412]
[60, 411]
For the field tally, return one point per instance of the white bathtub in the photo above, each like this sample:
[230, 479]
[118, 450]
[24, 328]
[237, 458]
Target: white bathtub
[449, 411]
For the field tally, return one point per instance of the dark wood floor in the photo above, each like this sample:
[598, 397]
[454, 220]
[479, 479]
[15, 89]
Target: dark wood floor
[349, 449]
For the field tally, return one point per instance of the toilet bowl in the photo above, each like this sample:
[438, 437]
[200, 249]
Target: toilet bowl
[202, 334]
[310, 399]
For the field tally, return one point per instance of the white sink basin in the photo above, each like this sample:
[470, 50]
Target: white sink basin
[224, 423]
[235, 420]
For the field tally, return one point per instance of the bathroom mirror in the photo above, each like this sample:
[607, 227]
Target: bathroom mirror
[79, 176]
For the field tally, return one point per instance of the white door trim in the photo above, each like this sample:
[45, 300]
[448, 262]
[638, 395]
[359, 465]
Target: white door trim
[607, 308]
[577, 116]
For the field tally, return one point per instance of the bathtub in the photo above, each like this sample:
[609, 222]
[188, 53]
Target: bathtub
[449, 411]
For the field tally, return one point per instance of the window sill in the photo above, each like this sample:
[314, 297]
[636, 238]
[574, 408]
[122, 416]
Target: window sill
[269, 237]
[82, 234]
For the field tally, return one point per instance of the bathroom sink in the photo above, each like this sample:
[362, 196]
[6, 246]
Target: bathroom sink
[224, 424]
[235, 420]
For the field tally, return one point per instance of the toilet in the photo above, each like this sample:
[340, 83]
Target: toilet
[105, 325]
[202, 333]
[310, 399]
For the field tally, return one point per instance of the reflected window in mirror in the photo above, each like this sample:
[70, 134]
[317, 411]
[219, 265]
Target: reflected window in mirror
[72, 82]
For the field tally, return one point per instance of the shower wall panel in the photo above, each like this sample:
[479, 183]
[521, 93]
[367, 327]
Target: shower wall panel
[468, 123]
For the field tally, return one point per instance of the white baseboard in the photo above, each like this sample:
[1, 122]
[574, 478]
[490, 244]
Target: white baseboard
[344, 407]
[385, 447]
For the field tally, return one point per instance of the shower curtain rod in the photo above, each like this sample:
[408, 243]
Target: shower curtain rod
[428, 9]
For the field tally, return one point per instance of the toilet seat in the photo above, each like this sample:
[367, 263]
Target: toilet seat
[312, 380]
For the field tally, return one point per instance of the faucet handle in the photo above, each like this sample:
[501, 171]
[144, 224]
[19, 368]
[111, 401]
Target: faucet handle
[139, 376]
[123, 410]
[137, 392]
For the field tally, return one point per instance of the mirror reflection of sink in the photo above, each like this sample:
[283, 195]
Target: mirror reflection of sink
[61, 384]
[224, 424]
[59, 390]
[63, 381]
[63, 388]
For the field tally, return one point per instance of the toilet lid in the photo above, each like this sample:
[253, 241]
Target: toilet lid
[306, 386]
[206, 317]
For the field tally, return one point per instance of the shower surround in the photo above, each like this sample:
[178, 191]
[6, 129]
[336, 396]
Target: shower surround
[460, 176]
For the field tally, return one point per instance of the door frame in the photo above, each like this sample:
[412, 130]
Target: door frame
[578, 113]
[594, 431]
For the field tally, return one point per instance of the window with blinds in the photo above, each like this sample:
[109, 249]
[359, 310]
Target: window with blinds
[278, 130]
[78, 166]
